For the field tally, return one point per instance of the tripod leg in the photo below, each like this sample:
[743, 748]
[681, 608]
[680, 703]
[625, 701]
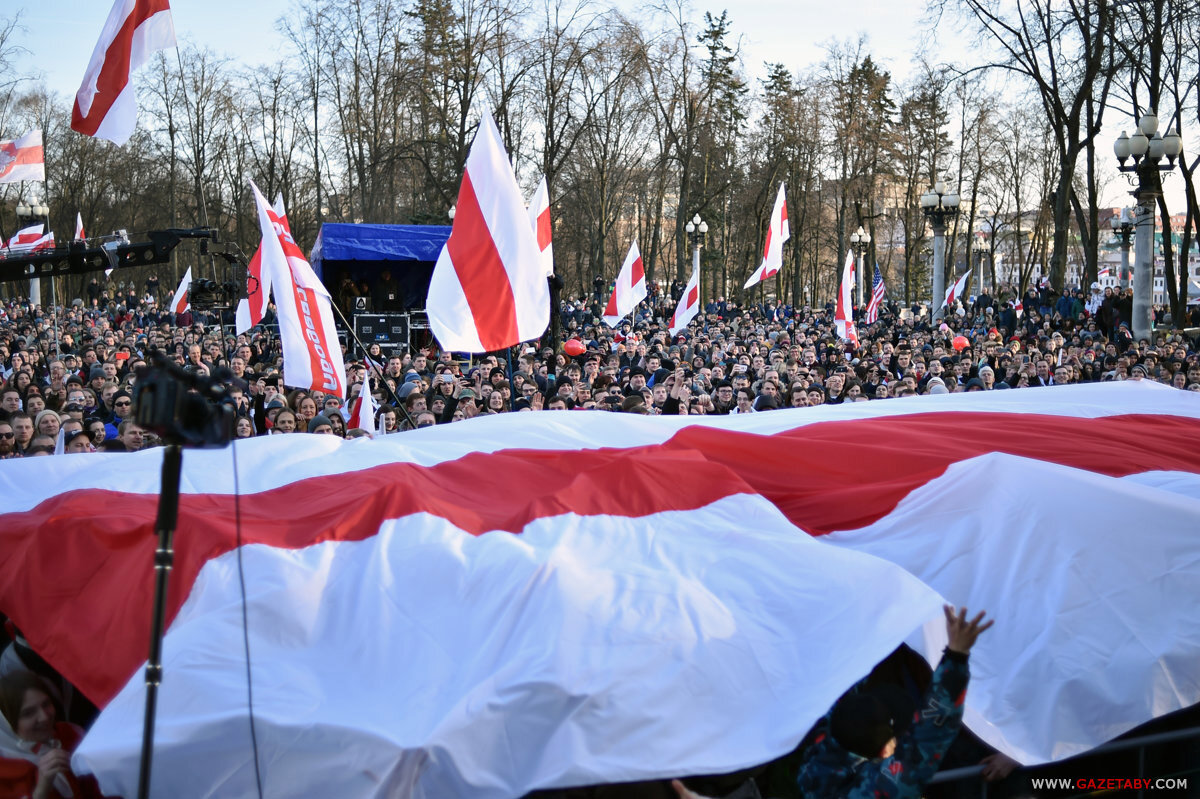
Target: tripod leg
[164, 557]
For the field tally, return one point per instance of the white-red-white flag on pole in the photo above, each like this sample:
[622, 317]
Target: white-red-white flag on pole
[777, 233]
[362, 412]
[1019, 307]
[843, 318]
[539, 217]
[106, 103]
[956, 289]
[23, 158]
[629, 290]
[253, 307]
[27, 238]
[689, 302]
[80, 235]
[181, 301]
[312, 354]
[489, 289]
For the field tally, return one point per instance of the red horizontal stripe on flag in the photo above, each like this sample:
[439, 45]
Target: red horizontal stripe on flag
[481, 272]
[114, 75]
[96, 547]
[639, 273]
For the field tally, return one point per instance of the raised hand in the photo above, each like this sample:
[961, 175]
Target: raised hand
[963, 633]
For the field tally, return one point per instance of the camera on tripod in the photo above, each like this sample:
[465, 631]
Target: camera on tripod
[209, 295]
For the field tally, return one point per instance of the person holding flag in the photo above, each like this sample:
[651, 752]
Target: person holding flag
[180, 301]
[843, 319]
[363, 410]
[689, 302]
[957, 290]
[878, 292]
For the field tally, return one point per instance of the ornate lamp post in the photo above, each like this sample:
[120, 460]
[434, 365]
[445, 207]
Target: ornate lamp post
[1123, 226]
[1147, 148]
[859, 240]
[696, 229]
[980, 250]
[939, 206]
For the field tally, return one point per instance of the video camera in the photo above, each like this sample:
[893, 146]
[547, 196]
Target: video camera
[183, 407]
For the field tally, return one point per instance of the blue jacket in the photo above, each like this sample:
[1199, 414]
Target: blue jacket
[831, 772]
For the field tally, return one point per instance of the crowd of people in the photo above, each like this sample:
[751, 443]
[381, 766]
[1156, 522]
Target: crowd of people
[77, 395]
[70, 379]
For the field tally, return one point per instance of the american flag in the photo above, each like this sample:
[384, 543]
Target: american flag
[878, 292]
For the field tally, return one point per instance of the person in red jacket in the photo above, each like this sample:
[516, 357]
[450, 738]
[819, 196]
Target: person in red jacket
[35, 747]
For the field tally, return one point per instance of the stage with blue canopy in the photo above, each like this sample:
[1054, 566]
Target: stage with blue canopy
[378, 268]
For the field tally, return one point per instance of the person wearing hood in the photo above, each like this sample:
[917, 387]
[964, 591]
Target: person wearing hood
[35, 747]
[863, 751]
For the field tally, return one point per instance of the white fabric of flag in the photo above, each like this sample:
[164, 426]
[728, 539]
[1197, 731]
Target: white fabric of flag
[489, 288]
[843, 318]
[778, 231]
[543, 227]
[362, 414]
[106, 103]
[629, 290]
[689, 302]
[312, 353]
[22, 159]
[181, 300]
[252, 308]
[955, 292]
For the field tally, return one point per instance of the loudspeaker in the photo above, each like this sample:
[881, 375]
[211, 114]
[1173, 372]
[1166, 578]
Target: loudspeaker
[388, 330]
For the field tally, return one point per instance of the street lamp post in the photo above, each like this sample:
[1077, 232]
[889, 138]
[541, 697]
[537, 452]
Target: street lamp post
[1147, 148]
[1123, 228]
[859, 240]
[939, 206]
[31, 213]
[696, 228]
[980, 249]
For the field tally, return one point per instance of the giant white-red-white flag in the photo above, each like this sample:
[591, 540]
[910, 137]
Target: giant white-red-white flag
[106, 103]
[23, 158]
[362, 412]
[956, 289]
[539, 217]
[617, 630]
[689, 302]
[253, 307]
[629, 290]
[312, 353]
[778, 231]
[488, 289]
[181, 300]
[843, 317]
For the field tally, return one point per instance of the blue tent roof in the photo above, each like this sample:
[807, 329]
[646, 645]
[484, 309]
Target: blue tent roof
[346, 242]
